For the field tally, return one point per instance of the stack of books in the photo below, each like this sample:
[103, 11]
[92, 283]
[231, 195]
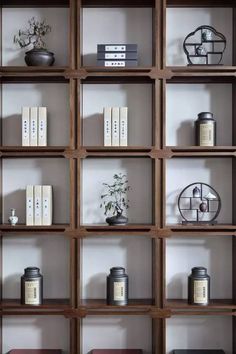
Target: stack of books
[117, 55]
[38, 205]
[115, 126]
[34, 126]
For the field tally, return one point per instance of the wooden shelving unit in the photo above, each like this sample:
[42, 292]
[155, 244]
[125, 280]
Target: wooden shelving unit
[158, 75]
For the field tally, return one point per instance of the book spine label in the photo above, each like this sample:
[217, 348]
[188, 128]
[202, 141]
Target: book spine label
[38, 205]
[42, 126]
[117, 48]
[29, 205]
[25, 126]
[115, 126]
[33, 126]
[117, 56]
[117, 63]
[107, 126]
[47, 205]
[123, 126]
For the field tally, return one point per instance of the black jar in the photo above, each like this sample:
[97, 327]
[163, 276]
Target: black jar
[32, 287]
[199, 287]
[117, 287]
[205, 129]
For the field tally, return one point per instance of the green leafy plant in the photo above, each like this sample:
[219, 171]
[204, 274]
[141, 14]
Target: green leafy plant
[114, 200]
[33, 35]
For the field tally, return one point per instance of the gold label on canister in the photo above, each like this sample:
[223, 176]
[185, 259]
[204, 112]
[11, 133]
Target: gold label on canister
[200, 292]
[119, 291]
[207, 134]
[32, 292]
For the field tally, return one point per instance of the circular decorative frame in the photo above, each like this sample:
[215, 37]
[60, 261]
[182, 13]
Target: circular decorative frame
[218, 199]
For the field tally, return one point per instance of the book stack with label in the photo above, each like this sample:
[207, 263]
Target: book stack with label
[117, 55]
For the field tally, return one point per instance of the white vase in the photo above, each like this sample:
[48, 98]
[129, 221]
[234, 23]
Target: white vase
[13, 219]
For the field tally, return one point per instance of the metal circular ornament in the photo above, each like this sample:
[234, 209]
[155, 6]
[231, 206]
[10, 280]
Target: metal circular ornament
[199, 203]
[204, 46]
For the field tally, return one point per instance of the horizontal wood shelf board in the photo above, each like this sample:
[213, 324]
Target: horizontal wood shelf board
[200, 3]
[202, 148]
[35, 3]
[118, 3]
[201, 312]
[101, 304]
[29, 74]
[37, 151]
[214, 303]
[202, 227]
[130, 229]
[20, 228]
[202, 230]
[118, 148]
[47, 304]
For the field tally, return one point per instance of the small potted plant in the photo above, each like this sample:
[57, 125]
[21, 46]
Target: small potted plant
[115, 200]
[32, 37]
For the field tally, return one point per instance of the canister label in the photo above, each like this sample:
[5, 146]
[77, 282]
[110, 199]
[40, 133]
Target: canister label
[200, 292]
[119, 291]
[32, 292]
[207, 134]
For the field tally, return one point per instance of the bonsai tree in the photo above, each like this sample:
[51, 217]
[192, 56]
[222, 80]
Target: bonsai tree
[114, 200]
[33, 35]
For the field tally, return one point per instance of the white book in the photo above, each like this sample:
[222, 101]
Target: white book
[115, 126]
[29, 205]
[25, 126]
[107, 126]
[47, 205]
[123, 126]
[42, 126]
[33, 126]
[38, 205]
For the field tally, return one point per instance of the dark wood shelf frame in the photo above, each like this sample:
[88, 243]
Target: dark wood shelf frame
[159, 75]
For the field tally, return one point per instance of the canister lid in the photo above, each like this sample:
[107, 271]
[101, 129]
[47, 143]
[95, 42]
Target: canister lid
[117, 270]
[199, 271]
[205, 115]
[32, 271]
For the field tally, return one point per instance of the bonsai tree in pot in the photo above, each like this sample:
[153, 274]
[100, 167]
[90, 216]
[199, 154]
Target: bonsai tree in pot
[115, 200]
[32, 37]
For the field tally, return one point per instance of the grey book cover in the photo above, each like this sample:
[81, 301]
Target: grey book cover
[198, 351]
[117, 55]
[117, 47]
[117, 63]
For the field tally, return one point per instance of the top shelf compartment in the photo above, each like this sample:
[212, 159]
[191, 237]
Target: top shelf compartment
[35, 3]
[200, 3]
[181, 22]
[118, 3]
[57, 18]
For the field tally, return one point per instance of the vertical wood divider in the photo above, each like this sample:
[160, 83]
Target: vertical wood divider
[1, 204]
[79, 42]
[233, 182]
[158, 330]
[73, 32]
[78, 103]
[74, 249]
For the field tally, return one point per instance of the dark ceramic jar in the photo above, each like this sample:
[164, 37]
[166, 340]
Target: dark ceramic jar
[205, 129]
[39, 57]
[117, 287]
[32, 287]
[199, 287]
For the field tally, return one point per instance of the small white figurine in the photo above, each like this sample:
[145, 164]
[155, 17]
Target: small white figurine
[13, 219]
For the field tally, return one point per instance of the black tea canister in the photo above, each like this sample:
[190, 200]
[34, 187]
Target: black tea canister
[205, 129]
[117, 287]
[199, 287]
[32, 287]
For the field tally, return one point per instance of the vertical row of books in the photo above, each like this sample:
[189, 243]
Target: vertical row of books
[115, 126]
[34, 126]
[38, 205]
